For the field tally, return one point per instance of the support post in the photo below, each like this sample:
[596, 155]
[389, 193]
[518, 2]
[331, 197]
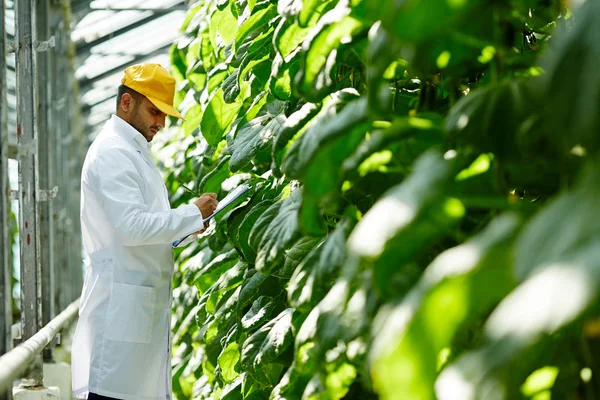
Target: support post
[5, 248]
[45, 156]
[31, 310]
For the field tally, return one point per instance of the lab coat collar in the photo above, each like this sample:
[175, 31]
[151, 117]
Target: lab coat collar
[128, 132]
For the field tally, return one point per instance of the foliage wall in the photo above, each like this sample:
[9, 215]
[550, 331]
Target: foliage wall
[424, 215]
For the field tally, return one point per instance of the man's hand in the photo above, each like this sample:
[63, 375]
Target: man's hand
[207, 203]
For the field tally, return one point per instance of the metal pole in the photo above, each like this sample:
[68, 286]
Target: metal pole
[15, 362]
[31, 313]
[53, 87]
[5, 248]
[55, 123]
[45, 155]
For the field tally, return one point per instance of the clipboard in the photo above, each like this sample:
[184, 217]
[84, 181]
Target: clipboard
[231, 198]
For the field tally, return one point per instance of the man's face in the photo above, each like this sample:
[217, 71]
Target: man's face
[146, 118]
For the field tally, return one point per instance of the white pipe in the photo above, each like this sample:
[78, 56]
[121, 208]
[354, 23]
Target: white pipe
[14, 363]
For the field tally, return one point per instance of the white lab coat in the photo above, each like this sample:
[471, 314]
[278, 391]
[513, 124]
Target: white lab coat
[121, 347]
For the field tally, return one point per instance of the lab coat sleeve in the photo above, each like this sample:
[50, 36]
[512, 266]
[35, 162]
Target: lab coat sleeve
[119, 187]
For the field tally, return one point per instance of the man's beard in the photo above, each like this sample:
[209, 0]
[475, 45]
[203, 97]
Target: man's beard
[141, 126]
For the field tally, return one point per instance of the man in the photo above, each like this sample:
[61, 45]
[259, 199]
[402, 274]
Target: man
[121, 348]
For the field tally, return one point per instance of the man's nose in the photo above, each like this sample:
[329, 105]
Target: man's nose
[160, 122]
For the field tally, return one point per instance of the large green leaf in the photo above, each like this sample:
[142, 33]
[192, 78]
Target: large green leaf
[218, 117]
[562, 226]
[461, 283]
[407, 219]
[275, 230]
[256, 135]
[254, 22]
[313, 9]
[259, 313]
[296, 122]
[314, 79]
[281, 78]
[241, 235]
[204, 276]
[225, 24]
[295, 254]
[228, 360]
[529, 314]
[288, 36]
[270, 341]
[491, 118]
[417, 20]
[211, 182]
[313, 276]
[315, 158]
[568, 90]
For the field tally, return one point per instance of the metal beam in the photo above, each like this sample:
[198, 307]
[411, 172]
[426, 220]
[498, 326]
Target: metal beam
[31, 315]
[44, 167]
[86, 107]
[5, 248]
[83, 49]
[85, 84]
[79, 9]
[178, 7]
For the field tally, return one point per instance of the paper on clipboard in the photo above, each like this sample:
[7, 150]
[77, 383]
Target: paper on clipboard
[223, 204]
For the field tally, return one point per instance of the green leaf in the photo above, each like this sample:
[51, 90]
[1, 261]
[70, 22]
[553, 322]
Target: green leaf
[460, 284]
[417, 20]
[259, 313]
[256, 135]
[192, 119]
[225, 24]
[303, 149]
[275, 230]
[314, 79]
[256, 21]
[408, 218]
[490, 118]
[231, 88]
[565, 90]
[288, 36]
[529, 314]
[316, 156]
[409, 130]
[313, 276]
[296, 122]
[562, 226]
[297, 253]
[211, 182]
[242, 236]
[250, 289]
[217, 118]
[302, 290]
[228, 359]
[270, 341]
[312, 9]
[233, 390]
[204, 276]
[281, 78]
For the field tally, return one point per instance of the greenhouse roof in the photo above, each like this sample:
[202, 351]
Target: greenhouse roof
[110, 35]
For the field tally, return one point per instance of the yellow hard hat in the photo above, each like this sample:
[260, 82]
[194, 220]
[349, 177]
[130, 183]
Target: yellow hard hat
[154, 82]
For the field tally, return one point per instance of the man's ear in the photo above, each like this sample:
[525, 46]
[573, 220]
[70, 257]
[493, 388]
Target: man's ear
[126, 102]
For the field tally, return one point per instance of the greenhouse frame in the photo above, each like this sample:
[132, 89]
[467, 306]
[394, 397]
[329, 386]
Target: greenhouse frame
[416, 189]
[55, 95]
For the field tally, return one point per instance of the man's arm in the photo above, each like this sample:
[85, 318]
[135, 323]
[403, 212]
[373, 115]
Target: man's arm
[118, 185]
